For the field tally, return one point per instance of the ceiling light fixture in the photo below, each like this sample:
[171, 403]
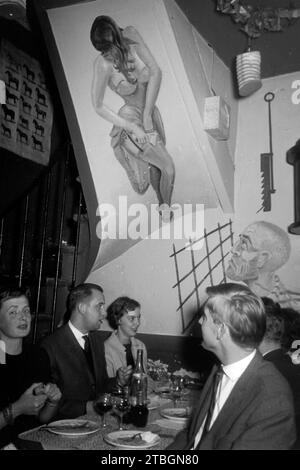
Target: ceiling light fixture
[253, 22]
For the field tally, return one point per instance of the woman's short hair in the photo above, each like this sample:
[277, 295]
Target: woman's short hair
[241, 310]
[13, 292]
[118, 308]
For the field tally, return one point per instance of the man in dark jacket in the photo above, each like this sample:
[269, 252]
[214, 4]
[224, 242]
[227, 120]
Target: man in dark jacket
[75, 353]
[250, 406]
[273, 351]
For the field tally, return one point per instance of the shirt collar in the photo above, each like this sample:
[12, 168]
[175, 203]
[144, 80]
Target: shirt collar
[118, 343]
[78, 334]
[236, 369]
[271, 350]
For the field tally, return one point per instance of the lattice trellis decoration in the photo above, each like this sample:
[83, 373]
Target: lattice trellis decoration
[205, 267]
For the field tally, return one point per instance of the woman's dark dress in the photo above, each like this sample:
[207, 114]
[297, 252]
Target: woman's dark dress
[16, 375]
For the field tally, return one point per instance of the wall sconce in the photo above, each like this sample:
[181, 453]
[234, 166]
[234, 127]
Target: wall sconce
[2, 92]
[217, 117]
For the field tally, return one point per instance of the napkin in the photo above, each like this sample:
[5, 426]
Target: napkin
[169, 424]
[148, 436]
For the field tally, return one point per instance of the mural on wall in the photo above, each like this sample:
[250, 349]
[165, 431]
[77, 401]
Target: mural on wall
[262, 249]
[126, 65]
[127, 102]
[207, 267]
[266, 163]
[26, 118]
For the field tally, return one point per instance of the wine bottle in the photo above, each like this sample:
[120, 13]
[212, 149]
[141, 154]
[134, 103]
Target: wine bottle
[139, 410]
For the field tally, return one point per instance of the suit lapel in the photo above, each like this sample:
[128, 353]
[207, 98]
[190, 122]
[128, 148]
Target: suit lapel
[98, 357]
[77, 352]
[202, 407]
[234, 403]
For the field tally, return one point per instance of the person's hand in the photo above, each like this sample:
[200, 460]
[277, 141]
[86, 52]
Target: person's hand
[53, 393]
[138, 134]
[29, 403]
[39, 389]
[124, 374]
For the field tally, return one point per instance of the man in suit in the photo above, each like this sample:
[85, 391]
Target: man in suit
[252, 404]
[272, 350]
[75, 353]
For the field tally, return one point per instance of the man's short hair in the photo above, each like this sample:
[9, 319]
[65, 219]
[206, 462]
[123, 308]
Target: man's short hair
[12, 292]
[79, 294]
[291, 320]
[241, 310]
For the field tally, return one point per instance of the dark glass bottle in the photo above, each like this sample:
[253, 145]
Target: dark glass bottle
[139, 411]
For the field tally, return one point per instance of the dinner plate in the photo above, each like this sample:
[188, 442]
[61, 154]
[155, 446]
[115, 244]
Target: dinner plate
[181, 415]
[125, 440]
[73, 427]
[156, 401]
[164, 392]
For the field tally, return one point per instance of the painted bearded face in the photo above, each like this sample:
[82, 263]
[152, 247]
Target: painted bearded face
[243, 264]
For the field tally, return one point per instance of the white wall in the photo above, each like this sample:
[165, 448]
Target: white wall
[216, 153]
[252, 140]
[147, 273]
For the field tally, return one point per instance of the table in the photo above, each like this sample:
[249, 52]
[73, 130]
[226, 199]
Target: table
[50, 441]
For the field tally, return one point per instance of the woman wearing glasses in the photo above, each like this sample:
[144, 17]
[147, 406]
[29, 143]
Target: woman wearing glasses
[124, 316]
[24, 393]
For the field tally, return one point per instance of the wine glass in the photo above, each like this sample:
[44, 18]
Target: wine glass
[102, 405]
[176, 390]
[120, 406]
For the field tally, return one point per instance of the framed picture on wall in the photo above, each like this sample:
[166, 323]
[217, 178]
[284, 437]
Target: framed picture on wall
[26, 117]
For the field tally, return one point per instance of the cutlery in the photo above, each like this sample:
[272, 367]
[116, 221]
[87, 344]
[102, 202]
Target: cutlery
[65, 426]
[131, 438]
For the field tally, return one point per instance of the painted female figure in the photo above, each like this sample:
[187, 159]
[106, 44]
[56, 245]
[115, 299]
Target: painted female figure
[126, 66]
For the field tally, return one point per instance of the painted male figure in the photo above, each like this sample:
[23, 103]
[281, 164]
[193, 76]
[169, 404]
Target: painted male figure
[262, 249]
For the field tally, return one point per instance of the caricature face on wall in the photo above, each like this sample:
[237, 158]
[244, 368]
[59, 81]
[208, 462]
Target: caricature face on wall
[243, 264]
[261, 248]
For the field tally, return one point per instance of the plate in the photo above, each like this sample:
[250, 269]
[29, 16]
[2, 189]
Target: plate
[181, 415]
[73, 427]
[156, 401]
[123, 440]
[164, 392]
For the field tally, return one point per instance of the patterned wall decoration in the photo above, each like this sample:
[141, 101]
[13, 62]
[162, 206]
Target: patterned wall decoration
[207, 269]
[26, 118]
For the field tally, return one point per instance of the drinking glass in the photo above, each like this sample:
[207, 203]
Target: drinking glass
[120, 406]
[102, 405]
[176, 390]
